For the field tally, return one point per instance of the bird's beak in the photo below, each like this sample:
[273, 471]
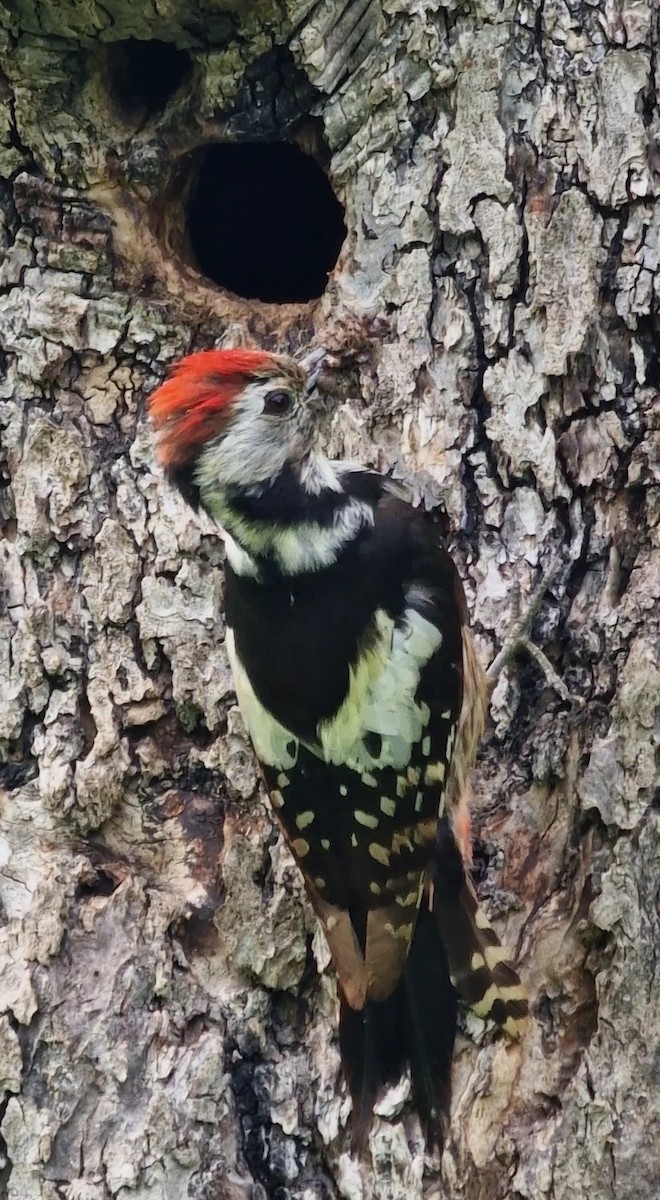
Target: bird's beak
[312, 364]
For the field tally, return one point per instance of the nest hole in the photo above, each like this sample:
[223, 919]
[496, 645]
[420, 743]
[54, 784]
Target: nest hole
[144, 75]
[263, 221]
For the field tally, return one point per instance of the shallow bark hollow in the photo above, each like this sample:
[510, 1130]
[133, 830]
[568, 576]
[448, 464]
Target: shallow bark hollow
[165, 1019]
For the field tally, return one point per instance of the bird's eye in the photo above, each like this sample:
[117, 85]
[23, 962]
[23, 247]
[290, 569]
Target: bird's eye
[278, 403]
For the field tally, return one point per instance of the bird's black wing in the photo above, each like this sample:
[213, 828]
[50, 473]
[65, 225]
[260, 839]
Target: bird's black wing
[350, 682]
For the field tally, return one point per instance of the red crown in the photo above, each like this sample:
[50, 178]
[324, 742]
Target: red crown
[186, 406]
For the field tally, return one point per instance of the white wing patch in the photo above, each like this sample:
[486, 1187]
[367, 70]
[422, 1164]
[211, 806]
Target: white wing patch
[273, 744]
[380, 700]
[340, 733]
[309, 546]
[381, 696]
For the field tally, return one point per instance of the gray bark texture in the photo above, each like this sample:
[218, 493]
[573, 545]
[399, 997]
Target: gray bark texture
[167, 1013]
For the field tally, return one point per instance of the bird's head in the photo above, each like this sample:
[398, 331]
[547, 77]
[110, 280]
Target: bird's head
[232, 419]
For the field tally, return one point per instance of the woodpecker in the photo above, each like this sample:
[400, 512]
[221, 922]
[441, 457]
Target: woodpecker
[359, 685]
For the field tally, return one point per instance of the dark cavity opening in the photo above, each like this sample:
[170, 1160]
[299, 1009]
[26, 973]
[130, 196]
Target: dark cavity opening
[145, 75]
[264, 222]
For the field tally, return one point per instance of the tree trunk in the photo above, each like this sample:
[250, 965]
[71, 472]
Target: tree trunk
[168, 1016]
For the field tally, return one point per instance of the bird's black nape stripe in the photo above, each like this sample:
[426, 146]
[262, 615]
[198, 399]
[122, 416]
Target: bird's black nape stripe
[183, 479]
[284, 501]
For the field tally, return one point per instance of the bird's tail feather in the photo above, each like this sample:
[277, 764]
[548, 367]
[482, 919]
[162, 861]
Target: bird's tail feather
[430, 1027]
[414, 1026]
[480, 966]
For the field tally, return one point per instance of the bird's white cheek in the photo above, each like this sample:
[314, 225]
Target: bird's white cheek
[250, 452]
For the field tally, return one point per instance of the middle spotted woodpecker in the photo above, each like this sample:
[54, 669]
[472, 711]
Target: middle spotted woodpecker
[359, 685]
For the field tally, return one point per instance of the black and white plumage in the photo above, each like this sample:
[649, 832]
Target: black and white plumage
[347, 639]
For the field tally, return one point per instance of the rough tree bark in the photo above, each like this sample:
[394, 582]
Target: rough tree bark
[167, 1020]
